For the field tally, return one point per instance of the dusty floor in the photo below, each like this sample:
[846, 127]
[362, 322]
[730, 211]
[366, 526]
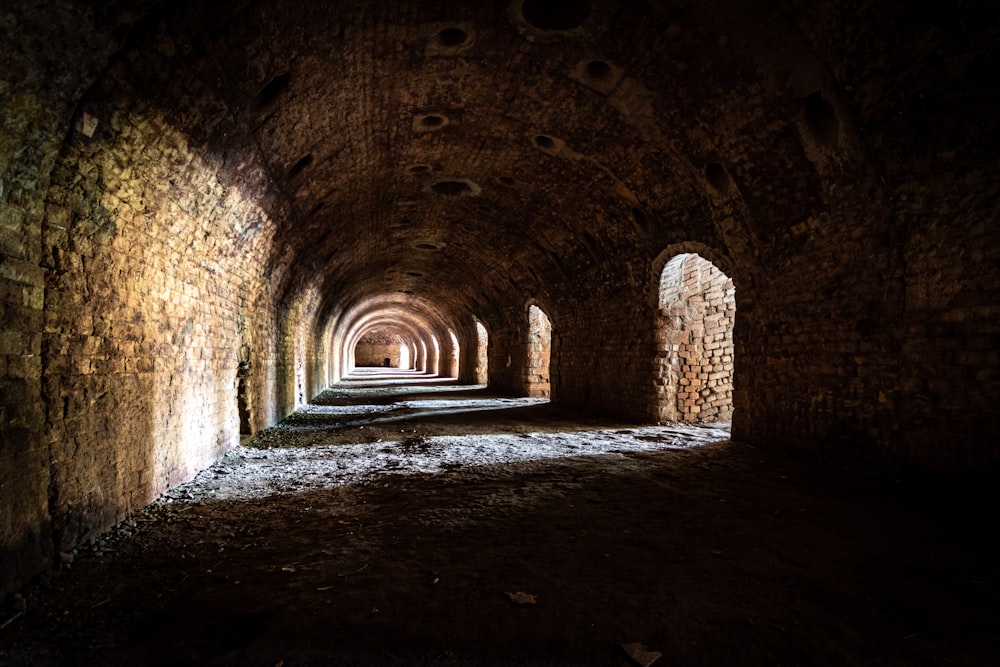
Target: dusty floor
[435, 524]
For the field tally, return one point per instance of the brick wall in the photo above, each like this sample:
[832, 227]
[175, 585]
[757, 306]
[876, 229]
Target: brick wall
[374, 349]
[36, 111]
[536, 374]
[211, 209]
[481, 361]
[695, 341]
[154, 304]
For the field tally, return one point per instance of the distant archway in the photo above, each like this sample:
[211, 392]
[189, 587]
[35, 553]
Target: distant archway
[450, 365]
[380, 347]
[695, 353]
[482, 354]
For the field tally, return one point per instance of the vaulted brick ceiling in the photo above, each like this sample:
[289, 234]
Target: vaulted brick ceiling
[454, 153]
[451, 155]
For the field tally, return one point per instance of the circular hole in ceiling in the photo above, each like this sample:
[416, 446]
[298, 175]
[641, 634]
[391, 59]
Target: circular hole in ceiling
[599, 70]
[555, 14]
[639, 216]
[415, 274]
[432, 121]
[419, 169]
[300, 165]
[452, 37]
[426, 245]
[506, 180]
[451, 188]
[406, 291]
[821, 119]
[543, 141]
[273, 89]
[717, 177]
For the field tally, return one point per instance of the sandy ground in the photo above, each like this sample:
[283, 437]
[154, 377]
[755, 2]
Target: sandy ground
[427, 523]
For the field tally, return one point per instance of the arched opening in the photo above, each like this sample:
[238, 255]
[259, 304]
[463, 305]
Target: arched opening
[404, 355]
[434, 356]
[380, 347]
[451, 356]
[420, 360]
[539, 353]
[482, 354]
[697, 310]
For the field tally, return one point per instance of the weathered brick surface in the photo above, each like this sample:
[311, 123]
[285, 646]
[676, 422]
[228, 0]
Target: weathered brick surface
[203, 208]
[47, 55]
[695, 341]
[154, 298]
[375, 347]
[535, 378]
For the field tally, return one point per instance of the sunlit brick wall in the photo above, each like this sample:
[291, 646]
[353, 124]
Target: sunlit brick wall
[154, 297]
[695, 341]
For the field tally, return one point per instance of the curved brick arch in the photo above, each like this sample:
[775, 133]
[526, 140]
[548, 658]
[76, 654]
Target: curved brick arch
[196, 196]
[695, 345]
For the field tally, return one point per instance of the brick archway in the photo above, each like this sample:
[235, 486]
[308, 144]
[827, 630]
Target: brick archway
[695, 352]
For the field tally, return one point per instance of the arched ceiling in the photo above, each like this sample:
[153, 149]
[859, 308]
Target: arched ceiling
[465, 154]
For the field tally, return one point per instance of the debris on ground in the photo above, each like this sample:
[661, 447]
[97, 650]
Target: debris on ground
[522, 598]
[640, 654]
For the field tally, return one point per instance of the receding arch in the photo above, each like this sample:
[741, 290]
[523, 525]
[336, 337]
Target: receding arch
[695, 317]
[381, 346]
[451, 356]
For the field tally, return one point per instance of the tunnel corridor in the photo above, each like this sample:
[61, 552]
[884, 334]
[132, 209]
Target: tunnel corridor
[586, 227]
[402, 518]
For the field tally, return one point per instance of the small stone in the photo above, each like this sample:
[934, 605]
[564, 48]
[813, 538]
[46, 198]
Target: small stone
[640, 654]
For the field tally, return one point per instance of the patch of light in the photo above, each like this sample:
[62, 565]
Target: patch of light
[245, 473]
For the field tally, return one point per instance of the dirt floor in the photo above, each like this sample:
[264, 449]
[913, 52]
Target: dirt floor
[430, 524]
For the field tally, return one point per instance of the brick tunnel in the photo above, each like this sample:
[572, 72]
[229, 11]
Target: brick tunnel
[771, 214]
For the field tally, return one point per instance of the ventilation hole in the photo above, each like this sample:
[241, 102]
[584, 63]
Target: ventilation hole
[406, 292]
[424, 245]
[543, 141]
[272, 90]
[555, 14]
[717, 177]
[451, 188]
[432, 121]
[419, 169]
[415, 274]
[639, 216]
[506, 180]
[821, 120]
[300, 165]
[452, 37]
[599, 70]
